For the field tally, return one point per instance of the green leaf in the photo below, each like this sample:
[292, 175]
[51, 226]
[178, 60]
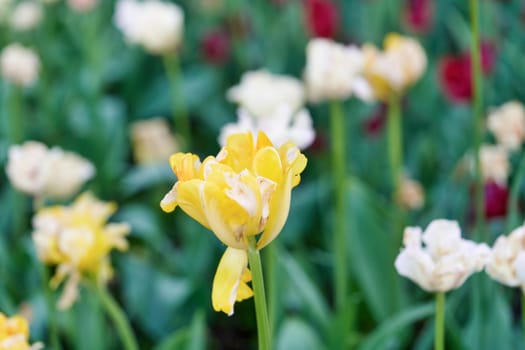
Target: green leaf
[306, 289]
[372, 248]
[297, 334]
[389, 328]
[188, 338]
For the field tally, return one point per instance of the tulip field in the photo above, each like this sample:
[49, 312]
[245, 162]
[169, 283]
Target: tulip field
[266, 174]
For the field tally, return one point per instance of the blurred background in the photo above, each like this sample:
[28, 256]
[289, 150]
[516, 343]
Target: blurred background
[93, 87]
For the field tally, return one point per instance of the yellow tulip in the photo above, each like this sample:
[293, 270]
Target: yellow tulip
[242, 192]
[78, 240]
[14, 333]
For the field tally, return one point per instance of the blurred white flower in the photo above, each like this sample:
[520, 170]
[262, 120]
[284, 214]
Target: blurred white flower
[495, 165]
[262, 93]
[445, 261]
[399, 66]
[82, 5]
[410, 194]
[26, 15]
[153, 141]
[157, 26]
[507, 123]
[51, 173]
[506, 262]
[283, 126]
[19, 65]
[334, 71]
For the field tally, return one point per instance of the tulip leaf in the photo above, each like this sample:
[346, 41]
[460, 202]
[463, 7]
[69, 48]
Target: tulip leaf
[372, 249]
[188, 338]
[297, 334]
[379, 338]
[306, 289]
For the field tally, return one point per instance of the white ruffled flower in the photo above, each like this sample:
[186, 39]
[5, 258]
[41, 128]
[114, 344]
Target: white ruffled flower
[283, 126]
[506, 263]
[262, 93]
[36, 170]
[26, 15]
[152, 141]
[495, 165]
[445, 261]
[157, 26]
[334, 71]
[507, 123]
[19, 65]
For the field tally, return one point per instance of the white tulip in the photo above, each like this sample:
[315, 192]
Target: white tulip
[445, 261]
[507, 123]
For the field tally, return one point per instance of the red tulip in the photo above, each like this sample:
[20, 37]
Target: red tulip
[496, 198]
[374, 125]
[216, 46]
[419, 14]
[456, 76]
[322, 18]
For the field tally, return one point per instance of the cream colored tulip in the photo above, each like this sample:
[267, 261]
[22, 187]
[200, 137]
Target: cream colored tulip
[334, 71]
[507, 123]
[445, 261]
[19, 65]
[262, 93]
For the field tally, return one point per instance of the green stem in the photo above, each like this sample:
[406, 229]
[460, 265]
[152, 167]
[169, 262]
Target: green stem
[53, 329]
[261, 311]
[439, 325]
[16, 115]
[181, 119]
[478, 118]
[271, 279]
[118, 317]
[395, 142]
[523, 312]
[338, 162]
[512, 219]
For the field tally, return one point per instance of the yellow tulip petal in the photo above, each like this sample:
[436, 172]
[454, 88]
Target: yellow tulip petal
[267, 163]
[392, 40]
[225, 217]
[228, 284]
[185, 165]
[190, 200]
[169, 202]
[279, 208]
[238, 151]
[263, 141]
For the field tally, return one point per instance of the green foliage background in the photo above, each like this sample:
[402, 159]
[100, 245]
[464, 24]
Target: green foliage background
[93, 86]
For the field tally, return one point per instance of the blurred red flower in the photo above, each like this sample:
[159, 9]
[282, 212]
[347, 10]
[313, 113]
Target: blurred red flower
[456, 76]
[419, 15]
[215, 46]
[496, 198]
[322, 18]
[373, 125]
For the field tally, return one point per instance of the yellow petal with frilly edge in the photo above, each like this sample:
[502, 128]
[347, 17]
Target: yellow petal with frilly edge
[279, 209]
[226, 218]
[267, 163]
[238, 151]
[229, 283]
[185, 165]
[190, 199]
